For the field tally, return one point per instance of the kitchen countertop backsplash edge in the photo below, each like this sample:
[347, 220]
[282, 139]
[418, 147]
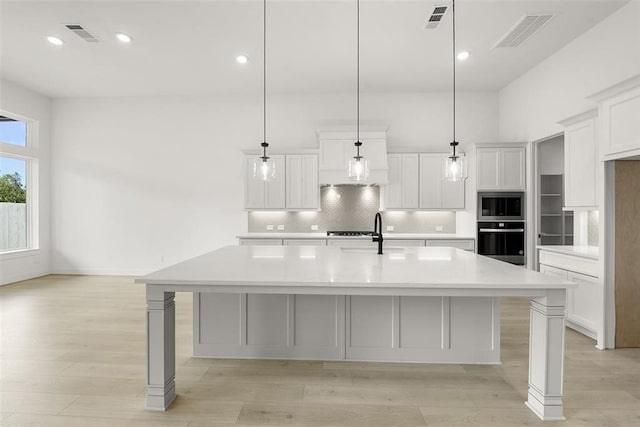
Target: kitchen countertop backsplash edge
[387, 236]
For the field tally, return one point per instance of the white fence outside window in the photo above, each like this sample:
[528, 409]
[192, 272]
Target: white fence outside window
[13, 226]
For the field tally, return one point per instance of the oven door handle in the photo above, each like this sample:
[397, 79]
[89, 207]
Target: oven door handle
[501, 230]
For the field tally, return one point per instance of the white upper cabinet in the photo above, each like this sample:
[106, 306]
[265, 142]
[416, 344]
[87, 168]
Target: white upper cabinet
[513, 168]
[302, 188]
[581, 161]
[501, 168]
[488, 161]
[619, 119]
[265, 195]
[435, 192]
[402, 190]
[416, 182]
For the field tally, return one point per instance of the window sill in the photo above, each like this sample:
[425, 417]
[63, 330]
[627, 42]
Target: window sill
[19, 253]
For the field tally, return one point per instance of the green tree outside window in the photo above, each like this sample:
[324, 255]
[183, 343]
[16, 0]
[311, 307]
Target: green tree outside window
[11, 189]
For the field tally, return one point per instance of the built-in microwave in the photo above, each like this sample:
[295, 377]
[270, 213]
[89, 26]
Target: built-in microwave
[500, 206]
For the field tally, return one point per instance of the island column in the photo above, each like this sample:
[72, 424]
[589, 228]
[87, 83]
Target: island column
[546, 355]
[161, 348]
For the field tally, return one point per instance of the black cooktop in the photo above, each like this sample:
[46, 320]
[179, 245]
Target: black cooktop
[349, 233]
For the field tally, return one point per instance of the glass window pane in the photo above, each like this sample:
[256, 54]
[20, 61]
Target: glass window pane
[13, 204]
[13, 131]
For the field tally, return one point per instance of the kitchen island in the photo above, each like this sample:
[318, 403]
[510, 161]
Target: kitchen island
[453, 292]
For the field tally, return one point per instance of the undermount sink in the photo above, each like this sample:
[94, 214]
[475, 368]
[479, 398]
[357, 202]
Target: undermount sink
[374, 250]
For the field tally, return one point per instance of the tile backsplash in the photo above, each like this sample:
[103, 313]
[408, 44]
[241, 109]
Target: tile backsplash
[351, 207]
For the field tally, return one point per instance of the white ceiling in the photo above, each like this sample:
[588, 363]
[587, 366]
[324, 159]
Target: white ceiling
[184, 47]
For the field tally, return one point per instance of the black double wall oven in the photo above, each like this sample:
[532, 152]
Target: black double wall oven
[501, 226]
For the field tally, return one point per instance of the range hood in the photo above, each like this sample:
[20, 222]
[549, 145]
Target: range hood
[336, 148]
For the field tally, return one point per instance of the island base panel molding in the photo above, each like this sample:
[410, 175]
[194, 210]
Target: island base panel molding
[161, 349]
[364, 328]
[546, 356]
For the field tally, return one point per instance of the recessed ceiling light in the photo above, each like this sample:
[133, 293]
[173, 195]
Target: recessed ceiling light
[242, 59]
[55, 40]
[464, 55]
[124, 38]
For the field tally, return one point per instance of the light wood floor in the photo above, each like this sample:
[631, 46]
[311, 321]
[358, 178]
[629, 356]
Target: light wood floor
[73, 354]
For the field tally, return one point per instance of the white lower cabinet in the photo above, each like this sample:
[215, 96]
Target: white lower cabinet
[467, 245]
[584, 302]
[378, 328]
[344, 243]
[336, 327]
[305, 242]
[265, 242]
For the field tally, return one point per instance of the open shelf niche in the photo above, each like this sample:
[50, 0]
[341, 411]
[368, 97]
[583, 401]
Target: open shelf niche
[556, 224]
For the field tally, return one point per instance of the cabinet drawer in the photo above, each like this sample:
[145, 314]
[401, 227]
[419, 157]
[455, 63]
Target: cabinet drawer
[570, 263]
[467, 245]
[343, 243]
[305, 242]
[405, 242]
[263, 242]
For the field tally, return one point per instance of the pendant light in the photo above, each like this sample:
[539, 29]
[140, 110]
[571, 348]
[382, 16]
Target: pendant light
[455, 168]
[358, 165]
[264, 168]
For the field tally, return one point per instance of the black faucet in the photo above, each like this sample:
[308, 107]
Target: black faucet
[377, 232]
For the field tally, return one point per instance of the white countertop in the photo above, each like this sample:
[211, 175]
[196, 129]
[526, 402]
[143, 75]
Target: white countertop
[387, 236]
[589, 252]
[336, 268]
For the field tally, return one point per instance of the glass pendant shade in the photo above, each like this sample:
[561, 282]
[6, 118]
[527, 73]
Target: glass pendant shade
[358, 169]
[264, 169]
[455, 168]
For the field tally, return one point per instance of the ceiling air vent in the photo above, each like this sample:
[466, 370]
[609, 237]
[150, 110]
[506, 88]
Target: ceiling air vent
[436, 17]
[526, 27]
[82, 33]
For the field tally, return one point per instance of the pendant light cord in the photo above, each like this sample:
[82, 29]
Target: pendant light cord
[358, 78]
[454, 76]
[264, 70]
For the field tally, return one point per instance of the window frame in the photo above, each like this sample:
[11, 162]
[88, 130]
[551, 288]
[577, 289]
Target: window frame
[31, 154]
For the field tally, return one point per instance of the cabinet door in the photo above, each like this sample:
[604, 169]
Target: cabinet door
[310, 183]
[254, 187]
[294, 187]
[580, 165]
[512, 168]
[392, 192]
[488, 162]
[584, 303]
[302, 189]
[402, 189]
[274, 197]
[431, 181]
[452, 192]
[410, 179]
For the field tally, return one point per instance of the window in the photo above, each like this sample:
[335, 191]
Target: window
[18, 184]
[13, 131]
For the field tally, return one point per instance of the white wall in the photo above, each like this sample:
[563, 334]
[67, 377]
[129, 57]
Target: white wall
[143, 182]
[24, 265]
[557, 88]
